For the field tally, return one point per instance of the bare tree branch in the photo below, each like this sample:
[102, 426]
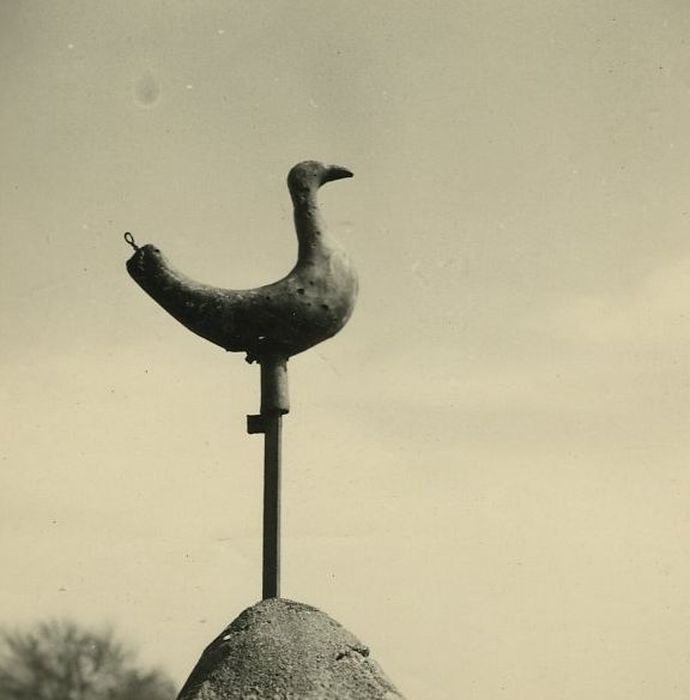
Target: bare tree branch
[58, 660]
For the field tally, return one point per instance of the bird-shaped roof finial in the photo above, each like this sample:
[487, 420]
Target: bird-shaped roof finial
[310, 304]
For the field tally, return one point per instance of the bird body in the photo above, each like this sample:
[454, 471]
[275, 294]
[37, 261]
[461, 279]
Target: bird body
[310, 304]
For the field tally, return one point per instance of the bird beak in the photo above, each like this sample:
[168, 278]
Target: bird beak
[335, 172]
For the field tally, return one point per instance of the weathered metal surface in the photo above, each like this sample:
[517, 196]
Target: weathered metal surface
[310, 304]
[270, 323]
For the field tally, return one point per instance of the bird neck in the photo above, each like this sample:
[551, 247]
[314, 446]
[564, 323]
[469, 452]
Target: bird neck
[311, 230]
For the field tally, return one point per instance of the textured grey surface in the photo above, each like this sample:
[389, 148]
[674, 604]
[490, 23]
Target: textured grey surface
[284, 650]
[310, 304]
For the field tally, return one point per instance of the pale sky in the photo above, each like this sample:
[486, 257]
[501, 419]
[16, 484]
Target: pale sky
[486, 473]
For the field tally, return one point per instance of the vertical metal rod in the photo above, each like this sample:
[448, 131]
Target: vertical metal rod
[274, 403]
[271, 549]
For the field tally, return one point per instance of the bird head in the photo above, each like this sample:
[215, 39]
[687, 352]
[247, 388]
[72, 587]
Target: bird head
[306, 177]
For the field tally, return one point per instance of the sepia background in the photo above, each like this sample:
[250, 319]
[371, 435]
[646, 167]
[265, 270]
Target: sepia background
[486, 473]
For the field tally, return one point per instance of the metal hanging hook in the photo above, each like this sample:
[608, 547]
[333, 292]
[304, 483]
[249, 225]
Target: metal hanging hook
[130, 239]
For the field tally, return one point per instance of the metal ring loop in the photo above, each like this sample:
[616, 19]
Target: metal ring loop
[130, 239]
